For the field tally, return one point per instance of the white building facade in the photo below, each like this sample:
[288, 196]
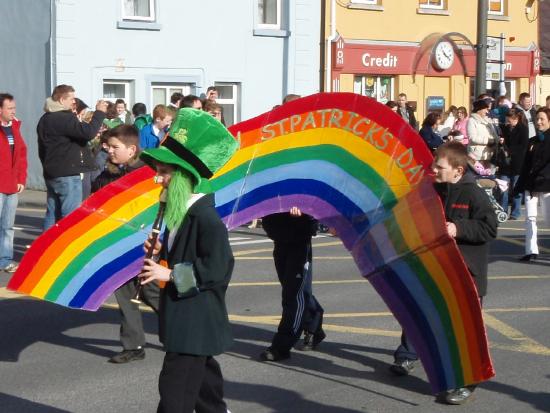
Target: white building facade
[253, 51]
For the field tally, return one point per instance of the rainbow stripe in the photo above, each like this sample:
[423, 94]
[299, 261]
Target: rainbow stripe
[360, 169]
[342, 158]
[81, 260]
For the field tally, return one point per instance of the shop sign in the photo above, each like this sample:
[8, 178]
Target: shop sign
[373, 60]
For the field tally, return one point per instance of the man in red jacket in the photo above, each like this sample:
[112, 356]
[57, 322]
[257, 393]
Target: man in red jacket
[13, 170]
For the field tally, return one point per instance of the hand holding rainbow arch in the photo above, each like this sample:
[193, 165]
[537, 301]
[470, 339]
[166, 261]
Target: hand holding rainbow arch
[342, 158]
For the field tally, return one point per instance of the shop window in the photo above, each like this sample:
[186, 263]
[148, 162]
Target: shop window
[228, 98]
[432, 4]
[269, 14]
[161, 92]
[117, 89]
[140, 10]
[496, 7]
[376, 87]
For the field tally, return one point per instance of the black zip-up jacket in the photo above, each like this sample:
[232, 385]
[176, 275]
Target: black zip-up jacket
[63, 143]
[283, 227]
[468, 207]
[535, 176]
[516, 141]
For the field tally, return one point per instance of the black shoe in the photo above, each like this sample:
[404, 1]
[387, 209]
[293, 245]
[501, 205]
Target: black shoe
[529, 257]
[270, 354]
[458, 396]
[312, 340]
[402, 367]
[126, 356]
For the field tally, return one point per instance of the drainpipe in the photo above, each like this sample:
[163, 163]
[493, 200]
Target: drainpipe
[331, 38]
[52, 48]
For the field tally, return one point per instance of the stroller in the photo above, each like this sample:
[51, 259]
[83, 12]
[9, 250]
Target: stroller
[494, 188]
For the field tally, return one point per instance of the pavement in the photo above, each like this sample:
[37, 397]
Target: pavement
[32, 199]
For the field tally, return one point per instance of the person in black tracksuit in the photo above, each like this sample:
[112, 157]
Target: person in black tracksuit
[471, 221]
[123, 152]
[291, 233]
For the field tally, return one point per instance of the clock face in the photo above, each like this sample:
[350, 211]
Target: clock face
[443, 56]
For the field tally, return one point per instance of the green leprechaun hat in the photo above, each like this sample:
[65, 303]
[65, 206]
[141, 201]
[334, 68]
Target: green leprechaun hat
[197, 143]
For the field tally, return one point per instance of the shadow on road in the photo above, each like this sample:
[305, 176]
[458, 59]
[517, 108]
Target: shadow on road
[12, 404]
[539, 400]
[309, 364]
[24, 322]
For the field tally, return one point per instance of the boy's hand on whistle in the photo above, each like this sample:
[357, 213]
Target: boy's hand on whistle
[147, 245]
[153, 271]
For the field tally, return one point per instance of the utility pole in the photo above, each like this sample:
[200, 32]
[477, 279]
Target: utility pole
[481, 47]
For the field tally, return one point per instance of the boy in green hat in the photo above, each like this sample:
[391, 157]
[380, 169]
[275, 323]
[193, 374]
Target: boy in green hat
[194, 324]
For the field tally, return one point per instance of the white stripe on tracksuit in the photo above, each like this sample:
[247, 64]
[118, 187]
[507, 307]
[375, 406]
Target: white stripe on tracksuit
[301, 300]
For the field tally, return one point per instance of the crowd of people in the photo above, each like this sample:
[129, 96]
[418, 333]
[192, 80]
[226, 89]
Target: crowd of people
[82, 150]
[505, 141]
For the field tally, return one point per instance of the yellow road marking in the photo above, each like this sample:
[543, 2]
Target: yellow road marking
[316, 258]
[274, 320]
[521, 243]
[523, 344]
[5, 293]
[275, 283]
[315, 245]
[523, 229]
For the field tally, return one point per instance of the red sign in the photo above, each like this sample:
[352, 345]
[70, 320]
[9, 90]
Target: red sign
[359, 58]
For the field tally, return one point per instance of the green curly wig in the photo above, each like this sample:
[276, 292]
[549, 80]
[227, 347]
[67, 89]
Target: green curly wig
[180, 190]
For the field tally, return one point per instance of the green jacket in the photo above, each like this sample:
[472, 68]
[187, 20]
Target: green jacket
[198, 325]
[142, 120]
[112, 123]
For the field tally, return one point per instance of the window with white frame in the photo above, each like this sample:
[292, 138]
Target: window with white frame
[228, 98]
[161, 92]
[432, 4]
[376, 87]
[117, 89]
[269, 14]
[140, 10]
[496, 7]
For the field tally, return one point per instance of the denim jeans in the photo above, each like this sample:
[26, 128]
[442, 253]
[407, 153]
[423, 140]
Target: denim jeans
[64, 195]
[8, 206]
[516, 200]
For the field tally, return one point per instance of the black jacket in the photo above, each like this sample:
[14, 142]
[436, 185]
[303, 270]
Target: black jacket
[198, 325]
[468, 207]
[535, 175]
[112, 172]
[516, 142]
[283, 227]
[412, 118]
[63, 143]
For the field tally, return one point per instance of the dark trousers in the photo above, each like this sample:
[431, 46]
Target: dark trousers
[190, 383]
[132, 335]
[301, 310]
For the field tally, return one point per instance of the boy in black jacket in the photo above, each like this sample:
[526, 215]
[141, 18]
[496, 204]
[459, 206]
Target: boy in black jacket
[471, 221]
[123, 152]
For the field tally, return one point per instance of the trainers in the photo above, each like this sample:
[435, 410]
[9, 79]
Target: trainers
[458, 396]
[312, 340]
[126, 356]
[402, 367]
[12, 267]
[270, 354]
